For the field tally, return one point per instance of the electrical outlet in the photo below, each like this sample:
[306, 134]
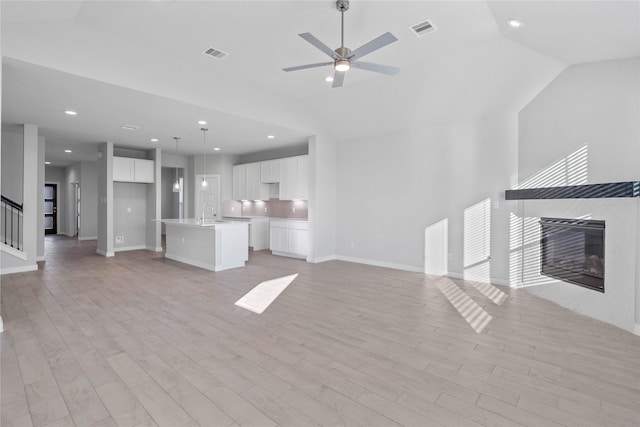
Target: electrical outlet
[128, 210]
[233, 208]
[293, 209]
[265, 210]
[119, 239]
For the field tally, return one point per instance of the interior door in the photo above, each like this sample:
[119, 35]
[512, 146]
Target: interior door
[50, 209]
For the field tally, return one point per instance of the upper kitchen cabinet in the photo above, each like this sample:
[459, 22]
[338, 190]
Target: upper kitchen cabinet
[270, 171]
[256, 190]
[126, 169]
[294, 178]
[240, 182]
[247, 183]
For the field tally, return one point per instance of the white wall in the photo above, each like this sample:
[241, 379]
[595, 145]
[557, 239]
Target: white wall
[105, 199]
[587, 121]
[394, 186]
[12, 165]
[40, 178]
[130, 214]
[72, 175]
[88, 201]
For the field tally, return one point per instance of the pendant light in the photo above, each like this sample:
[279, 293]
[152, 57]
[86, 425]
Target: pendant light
[176, 185]
[204, 183]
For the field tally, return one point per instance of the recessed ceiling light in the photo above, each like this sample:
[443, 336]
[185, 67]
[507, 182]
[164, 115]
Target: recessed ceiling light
[154, 140]
[514, 23]
[270, 136]
[328, 79]
[70, 113]
[47, 163]
[68, 151]
[216, 149]
[202, 122]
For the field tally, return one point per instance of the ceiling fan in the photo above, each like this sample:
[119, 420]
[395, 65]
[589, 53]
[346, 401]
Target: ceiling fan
[344, 58]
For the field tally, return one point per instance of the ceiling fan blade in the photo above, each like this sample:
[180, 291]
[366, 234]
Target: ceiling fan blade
[317, 43]
[338, 79]
[302, 67]
[375, 44]
[378, 68]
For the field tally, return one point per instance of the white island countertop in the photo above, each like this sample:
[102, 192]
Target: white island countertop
[216, 245]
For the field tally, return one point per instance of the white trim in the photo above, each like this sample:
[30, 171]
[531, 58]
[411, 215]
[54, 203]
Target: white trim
[1, 325]
[64, 233]
[103, 253]
[88, 238]
[392, 265]
[501, 282]
[288, 254]
[152, 249]
[636, 329]
[40, 258]
[322, 259]
[492, 280]
[14, 252]
[129, 248]
[22, 269]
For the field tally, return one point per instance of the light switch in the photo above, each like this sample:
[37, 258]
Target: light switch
[129, 210]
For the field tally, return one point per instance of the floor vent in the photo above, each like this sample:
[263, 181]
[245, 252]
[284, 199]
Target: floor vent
[130, 127]
[422, 28]
[218, 54]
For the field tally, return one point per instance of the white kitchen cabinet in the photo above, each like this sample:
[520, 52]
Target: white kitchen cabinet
[255, 189]
[294, 178]
[126, 169]
[289, 238]
[123, 169]
[240, 182]
[270, 171]
[143, 170]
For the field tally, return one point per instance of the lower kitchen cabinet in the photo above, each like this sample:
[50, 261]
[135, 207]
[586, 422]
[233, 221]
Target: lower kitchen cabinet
[289, 238]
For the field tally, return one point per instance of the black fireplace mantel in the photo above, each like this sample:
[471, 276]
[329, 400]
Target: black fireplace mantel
[589, 191]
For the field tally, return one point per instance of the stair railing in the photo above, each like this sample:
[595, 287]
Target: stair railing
[11, 223]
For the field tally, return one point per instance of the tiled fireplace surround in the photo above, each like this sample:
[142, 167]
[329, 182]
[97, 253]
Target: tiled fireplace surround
[618, 304]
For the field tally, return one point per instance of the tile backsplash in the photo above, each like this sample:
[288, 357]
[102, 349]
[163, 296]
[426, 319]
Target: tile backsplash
[273, 208]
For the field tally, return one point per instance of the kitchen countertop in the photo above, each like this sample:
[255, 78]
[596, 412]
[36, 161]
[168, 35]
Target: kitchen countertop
[263, 217]
[193, 223]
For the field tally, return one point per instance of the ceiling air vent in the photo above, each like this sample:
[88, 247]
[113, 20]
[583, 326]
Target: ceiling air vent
[211, 51]
[422, 28]
[130, 127]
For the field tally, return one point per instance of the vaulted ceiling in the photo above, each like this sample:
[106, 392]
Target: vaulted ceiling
[141, 63]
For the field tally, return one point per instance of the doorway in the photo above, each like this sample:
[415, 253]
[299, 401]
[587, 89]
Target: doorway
[75, 209]
[51, 209]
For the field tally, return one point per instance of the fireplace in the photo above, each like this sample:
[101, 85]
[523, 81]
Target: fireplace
[572, 250]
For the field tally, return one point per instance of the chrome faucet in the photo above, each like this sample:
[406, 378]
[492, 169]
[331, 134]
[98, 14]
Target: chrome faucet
[204, 205]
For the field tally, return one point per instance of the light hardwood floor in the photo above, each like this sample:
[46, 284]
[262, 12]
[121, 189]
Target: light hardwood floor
[140, 340]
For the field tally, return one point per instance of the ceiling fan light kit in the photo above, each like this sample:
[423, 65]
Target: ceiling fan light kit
[343, 58]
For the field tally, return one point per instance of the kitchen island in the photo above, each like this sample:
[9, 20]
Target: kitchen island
[215, 246]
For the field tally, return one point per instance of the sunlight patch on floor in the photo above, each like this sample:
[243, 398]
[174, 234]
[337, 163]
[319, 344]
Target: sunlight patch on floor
[260, 298]
[491, 292]
[475, 315]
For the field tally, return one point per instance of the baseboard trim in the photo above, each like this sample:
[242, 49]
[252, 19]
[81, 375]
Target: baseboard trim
[129, 248]
[23, 269]
[375, 263]
[13, 252]
[1, 325]
[637, 329]
[152, 249]
[40, 258]
[189, 261]
[322, 259]
[103, 253]
[289, 255]
[88, 238]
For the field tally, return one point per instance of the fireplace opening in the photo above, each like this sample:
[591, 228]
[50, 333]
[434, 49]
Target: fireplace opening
[572, 250]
